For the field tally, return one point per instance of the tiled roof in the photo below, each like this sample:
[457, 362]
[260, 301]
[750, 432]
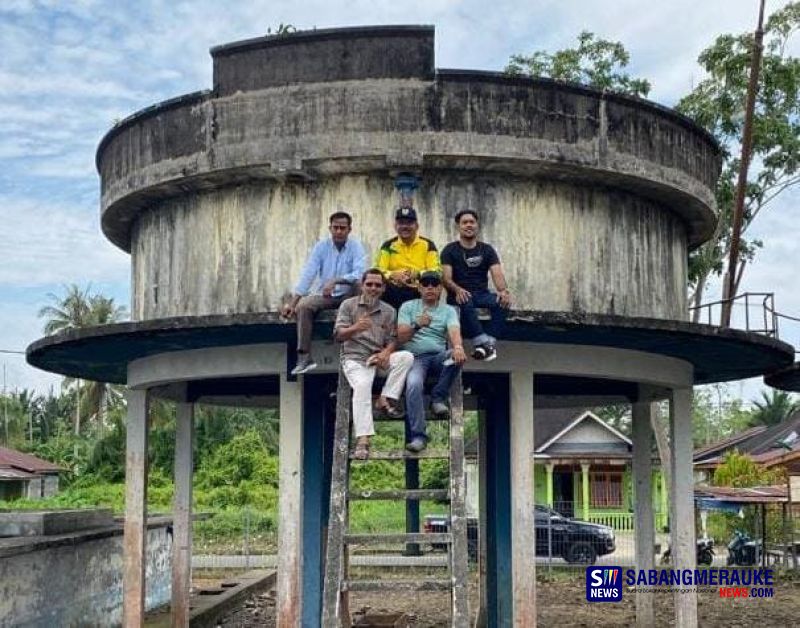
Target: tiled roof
[11, 458]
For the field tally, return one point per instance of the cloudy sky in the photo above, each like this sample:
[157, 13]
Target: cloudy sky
[68, 69]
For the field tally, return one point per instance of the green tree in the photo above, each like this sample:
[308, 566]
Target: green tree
[717, 103]
[596, 62]
[774, 407]
[77, 309]
[740, 471]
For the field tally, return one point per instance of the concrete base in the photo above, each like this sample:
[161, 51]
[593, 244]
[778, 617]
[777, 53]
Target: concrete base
[50, 522]
[76, 579]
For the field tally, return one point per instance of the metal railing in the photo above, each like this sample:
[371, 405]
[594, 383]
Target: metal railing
[763, 321]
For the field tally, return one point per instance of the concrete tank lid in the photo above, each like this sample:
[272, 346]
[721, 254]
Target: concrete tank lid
[102, 353]
[390, 30]
[787, 379]
[269, 41]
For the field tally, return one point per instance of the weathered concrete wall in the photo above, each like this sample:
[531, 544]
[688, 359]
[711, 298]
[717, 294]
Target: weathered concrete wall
[566, 247]
[76, 580]
[611, 190]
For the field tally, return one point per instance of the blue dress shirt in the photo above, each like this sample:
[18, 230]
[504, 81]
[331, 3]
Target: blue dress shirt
[328, 262]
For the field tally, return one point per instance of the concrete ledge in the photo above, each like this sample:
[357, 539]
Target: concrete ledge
[52, 522]
[787, 379]
[210, 605]
[25, 544]
[718, 354]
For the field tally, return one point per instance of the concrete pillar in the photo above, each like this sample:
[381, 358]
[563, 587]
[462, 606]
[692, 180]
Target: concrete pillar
[135, 508]
[682, 498]
[585, 489]
[523, 534]
[182, 523]
[548, 468]
[497, 599]
[290, 473]
[317, 428]
[643, 504]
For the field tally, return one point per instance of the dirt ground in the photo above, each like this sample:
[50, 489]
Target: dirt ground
[561, 603]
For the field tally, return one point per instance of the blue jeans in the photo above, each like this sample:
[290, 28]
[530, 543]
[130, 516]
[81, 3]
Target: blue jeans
[425, 364]
[471, 327]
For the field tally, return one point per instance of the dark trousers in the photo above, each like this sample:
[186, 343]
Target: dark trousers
[397, 295]
[471, 327]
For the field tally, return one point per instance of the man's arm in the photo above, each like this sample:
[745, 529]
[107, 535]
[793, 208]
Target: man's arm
[311, 269]
[454, 335]
[405, 324]
[460, 294]
[500, 284]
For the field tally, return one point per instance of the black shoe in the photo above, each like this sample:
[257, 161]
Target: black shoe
[491, 353]
[479, 352]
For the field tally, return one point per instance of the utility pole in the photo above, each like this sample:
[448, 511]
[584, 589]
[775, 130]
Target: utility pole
[732, 276]
[5, 405]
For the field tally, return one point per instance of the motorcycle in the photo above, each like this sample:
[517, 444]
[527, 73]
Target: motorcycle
[705, 552]
[743, 550]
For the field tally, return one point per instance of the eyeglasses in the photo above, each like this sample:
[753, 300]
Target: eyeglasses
[429, 283]
[373, 284]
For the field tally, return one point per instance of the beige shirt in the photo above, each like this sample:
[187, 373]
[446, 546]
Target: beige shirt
[365, 343]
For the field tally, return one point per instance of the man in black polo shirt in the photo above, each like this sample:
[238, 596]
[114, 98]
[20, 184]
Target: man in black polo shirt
[466, 264]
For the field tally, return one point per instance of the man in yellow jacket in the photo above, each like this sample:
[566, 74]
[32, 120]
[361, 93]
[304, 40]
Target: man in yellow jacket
[405, 257]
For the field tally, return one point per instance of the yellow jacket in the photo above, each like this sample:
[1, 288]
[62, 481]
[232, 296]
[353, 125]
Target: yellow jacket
[420, 256]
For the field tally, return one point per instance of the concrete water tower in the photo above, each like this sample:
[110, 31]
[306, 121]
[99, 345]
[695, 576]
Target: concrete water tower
[593, 199]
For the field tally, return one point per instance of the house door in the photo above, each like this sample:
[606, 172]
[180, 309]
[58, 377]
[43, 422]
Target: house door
[564, 493]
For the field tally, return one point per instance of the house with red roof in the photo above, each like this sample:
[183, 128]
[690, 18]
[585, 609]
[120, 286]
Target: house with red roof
[26, 476]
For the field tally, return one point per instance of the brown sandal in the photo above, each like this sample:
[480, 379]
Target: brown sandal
[361, 451]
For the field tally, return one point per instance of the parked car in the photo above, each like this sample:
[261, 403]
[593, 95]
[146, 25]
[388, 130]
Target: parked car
[575, 541]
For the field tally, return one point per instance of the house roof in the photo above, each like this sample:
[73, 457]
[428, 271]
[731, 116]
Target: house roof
[13, 459]
[550, 424]
[753, 495]
[760, 443]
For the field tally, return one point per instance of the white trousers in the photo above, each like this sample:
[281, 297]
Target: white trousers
[360, 378]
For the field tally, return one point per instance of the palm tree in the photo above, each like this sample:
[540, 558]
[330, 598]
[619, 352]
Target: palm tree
[78, 309]
[774, 407]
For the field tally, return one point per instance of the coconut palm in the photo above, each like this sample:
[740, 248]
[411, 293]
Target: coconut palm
[78, 309]
[774, 407]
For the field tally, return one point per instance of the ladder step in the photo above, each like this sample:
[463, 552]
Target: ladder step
[409, 494]
[397, 585]
[428, 454]
[401, 537]
[428, 417]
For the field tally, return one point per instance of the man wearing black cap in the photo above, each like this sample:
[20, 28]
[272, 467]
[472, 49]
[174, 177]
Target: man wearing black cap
[424, 327]
[403, 258]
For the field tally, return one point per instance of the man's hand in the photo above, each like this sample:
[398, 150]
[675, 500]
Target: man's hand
[362, 324]
[287, 311]
[424, 319]
[504, 299]
[400, 277]
[379, 359]
[459, 357]
[462, 295]
[328, 287]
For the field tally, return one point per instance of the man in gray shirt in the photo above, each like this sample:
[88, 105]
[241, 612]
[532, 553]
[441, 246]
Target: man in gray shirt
[366, 327]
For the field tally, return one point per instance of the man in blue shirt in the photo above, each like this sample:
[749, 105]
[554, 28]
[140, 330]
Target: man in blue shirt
[330, 274]
[424, 327]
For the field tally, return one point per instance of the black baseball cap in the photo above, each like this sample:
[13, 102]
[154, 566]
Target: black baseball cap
[405, 213]
[430, 277]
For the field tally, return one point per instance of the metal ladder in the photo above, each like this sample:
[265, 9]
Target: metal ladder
[335, 607]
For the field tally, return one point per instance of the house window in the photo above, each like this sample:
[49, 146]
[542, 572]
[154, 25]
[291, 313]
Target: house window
[605, 488]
